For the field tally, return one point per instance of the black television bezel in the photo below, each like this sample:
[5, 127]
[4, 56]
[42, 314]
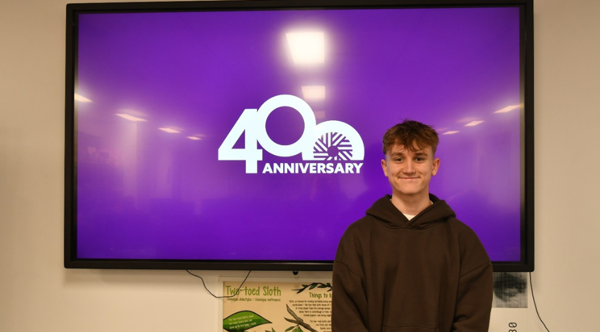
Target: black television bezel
[526, 264]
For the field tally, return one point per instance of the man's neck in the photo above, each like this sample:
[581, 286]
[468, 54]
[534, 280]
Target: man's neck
[412, 205]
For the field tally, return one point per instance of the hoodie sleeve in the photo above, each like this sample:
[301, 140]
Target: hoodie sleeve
[475, 289]
[349, 303]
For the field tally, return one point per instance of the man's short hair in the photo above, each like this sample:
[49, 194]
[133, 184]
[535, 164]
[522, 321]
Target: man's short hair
[413, 135]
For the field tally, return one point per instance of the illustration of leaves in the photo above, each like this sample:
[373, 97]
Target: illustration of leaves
[313, 286]
[289, 328]
[298, 321]
[242, 321]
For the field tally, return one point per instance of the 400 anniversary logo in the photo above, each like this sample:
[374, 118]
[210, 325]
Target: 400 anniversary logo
[330, 147]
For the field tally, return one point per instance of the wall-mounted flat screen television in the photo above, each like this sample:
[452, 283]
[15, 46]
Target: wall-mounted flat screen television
[247, 135]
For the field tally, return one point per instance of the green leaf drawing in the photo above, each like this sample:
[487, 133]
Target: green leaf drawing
[242, 321]
[290, 328]
[313, 286]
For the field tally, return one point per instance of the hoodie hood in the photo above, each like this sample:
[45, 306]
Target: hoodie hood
[386, 212]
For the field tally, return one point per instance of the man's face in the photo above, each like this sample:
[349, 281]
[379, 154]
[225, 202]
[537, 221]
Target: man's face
[409, 172]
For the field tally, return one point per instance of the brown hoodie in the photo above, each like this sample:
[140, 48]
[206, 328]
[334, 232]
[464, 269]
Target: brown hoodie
[429, 274]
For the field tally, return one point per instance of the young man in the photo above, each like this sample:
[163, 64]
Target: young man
[409, 265]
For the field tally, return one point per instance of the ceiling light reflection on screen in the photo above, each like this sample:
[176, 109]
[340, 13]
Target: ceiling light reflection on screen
[509, 108]
[320, 115]
[451, 132]
[170, 130]
[473, 123]
[130, 117]
[196, 137]
[82, 99]
[313, 92]
[307, 47]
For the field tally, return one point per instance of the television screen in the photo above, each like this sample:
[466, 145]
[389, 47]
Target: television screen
[247, 135]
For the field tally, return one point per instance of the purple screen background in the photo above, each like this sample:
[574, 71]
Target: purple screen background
[143, 193]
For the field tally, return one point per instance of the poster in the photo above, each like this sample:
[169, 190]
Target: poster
[305, 306]
[277, 306]
[510, 303]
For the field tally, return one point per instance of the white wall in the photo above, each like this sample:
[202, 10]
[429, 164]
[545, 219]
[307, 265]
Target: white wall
[567, 101]
[38, 294]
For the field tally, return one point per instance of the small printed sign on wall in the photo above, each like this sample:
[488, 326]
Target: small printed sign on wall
[510, 304]
[277, 306]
